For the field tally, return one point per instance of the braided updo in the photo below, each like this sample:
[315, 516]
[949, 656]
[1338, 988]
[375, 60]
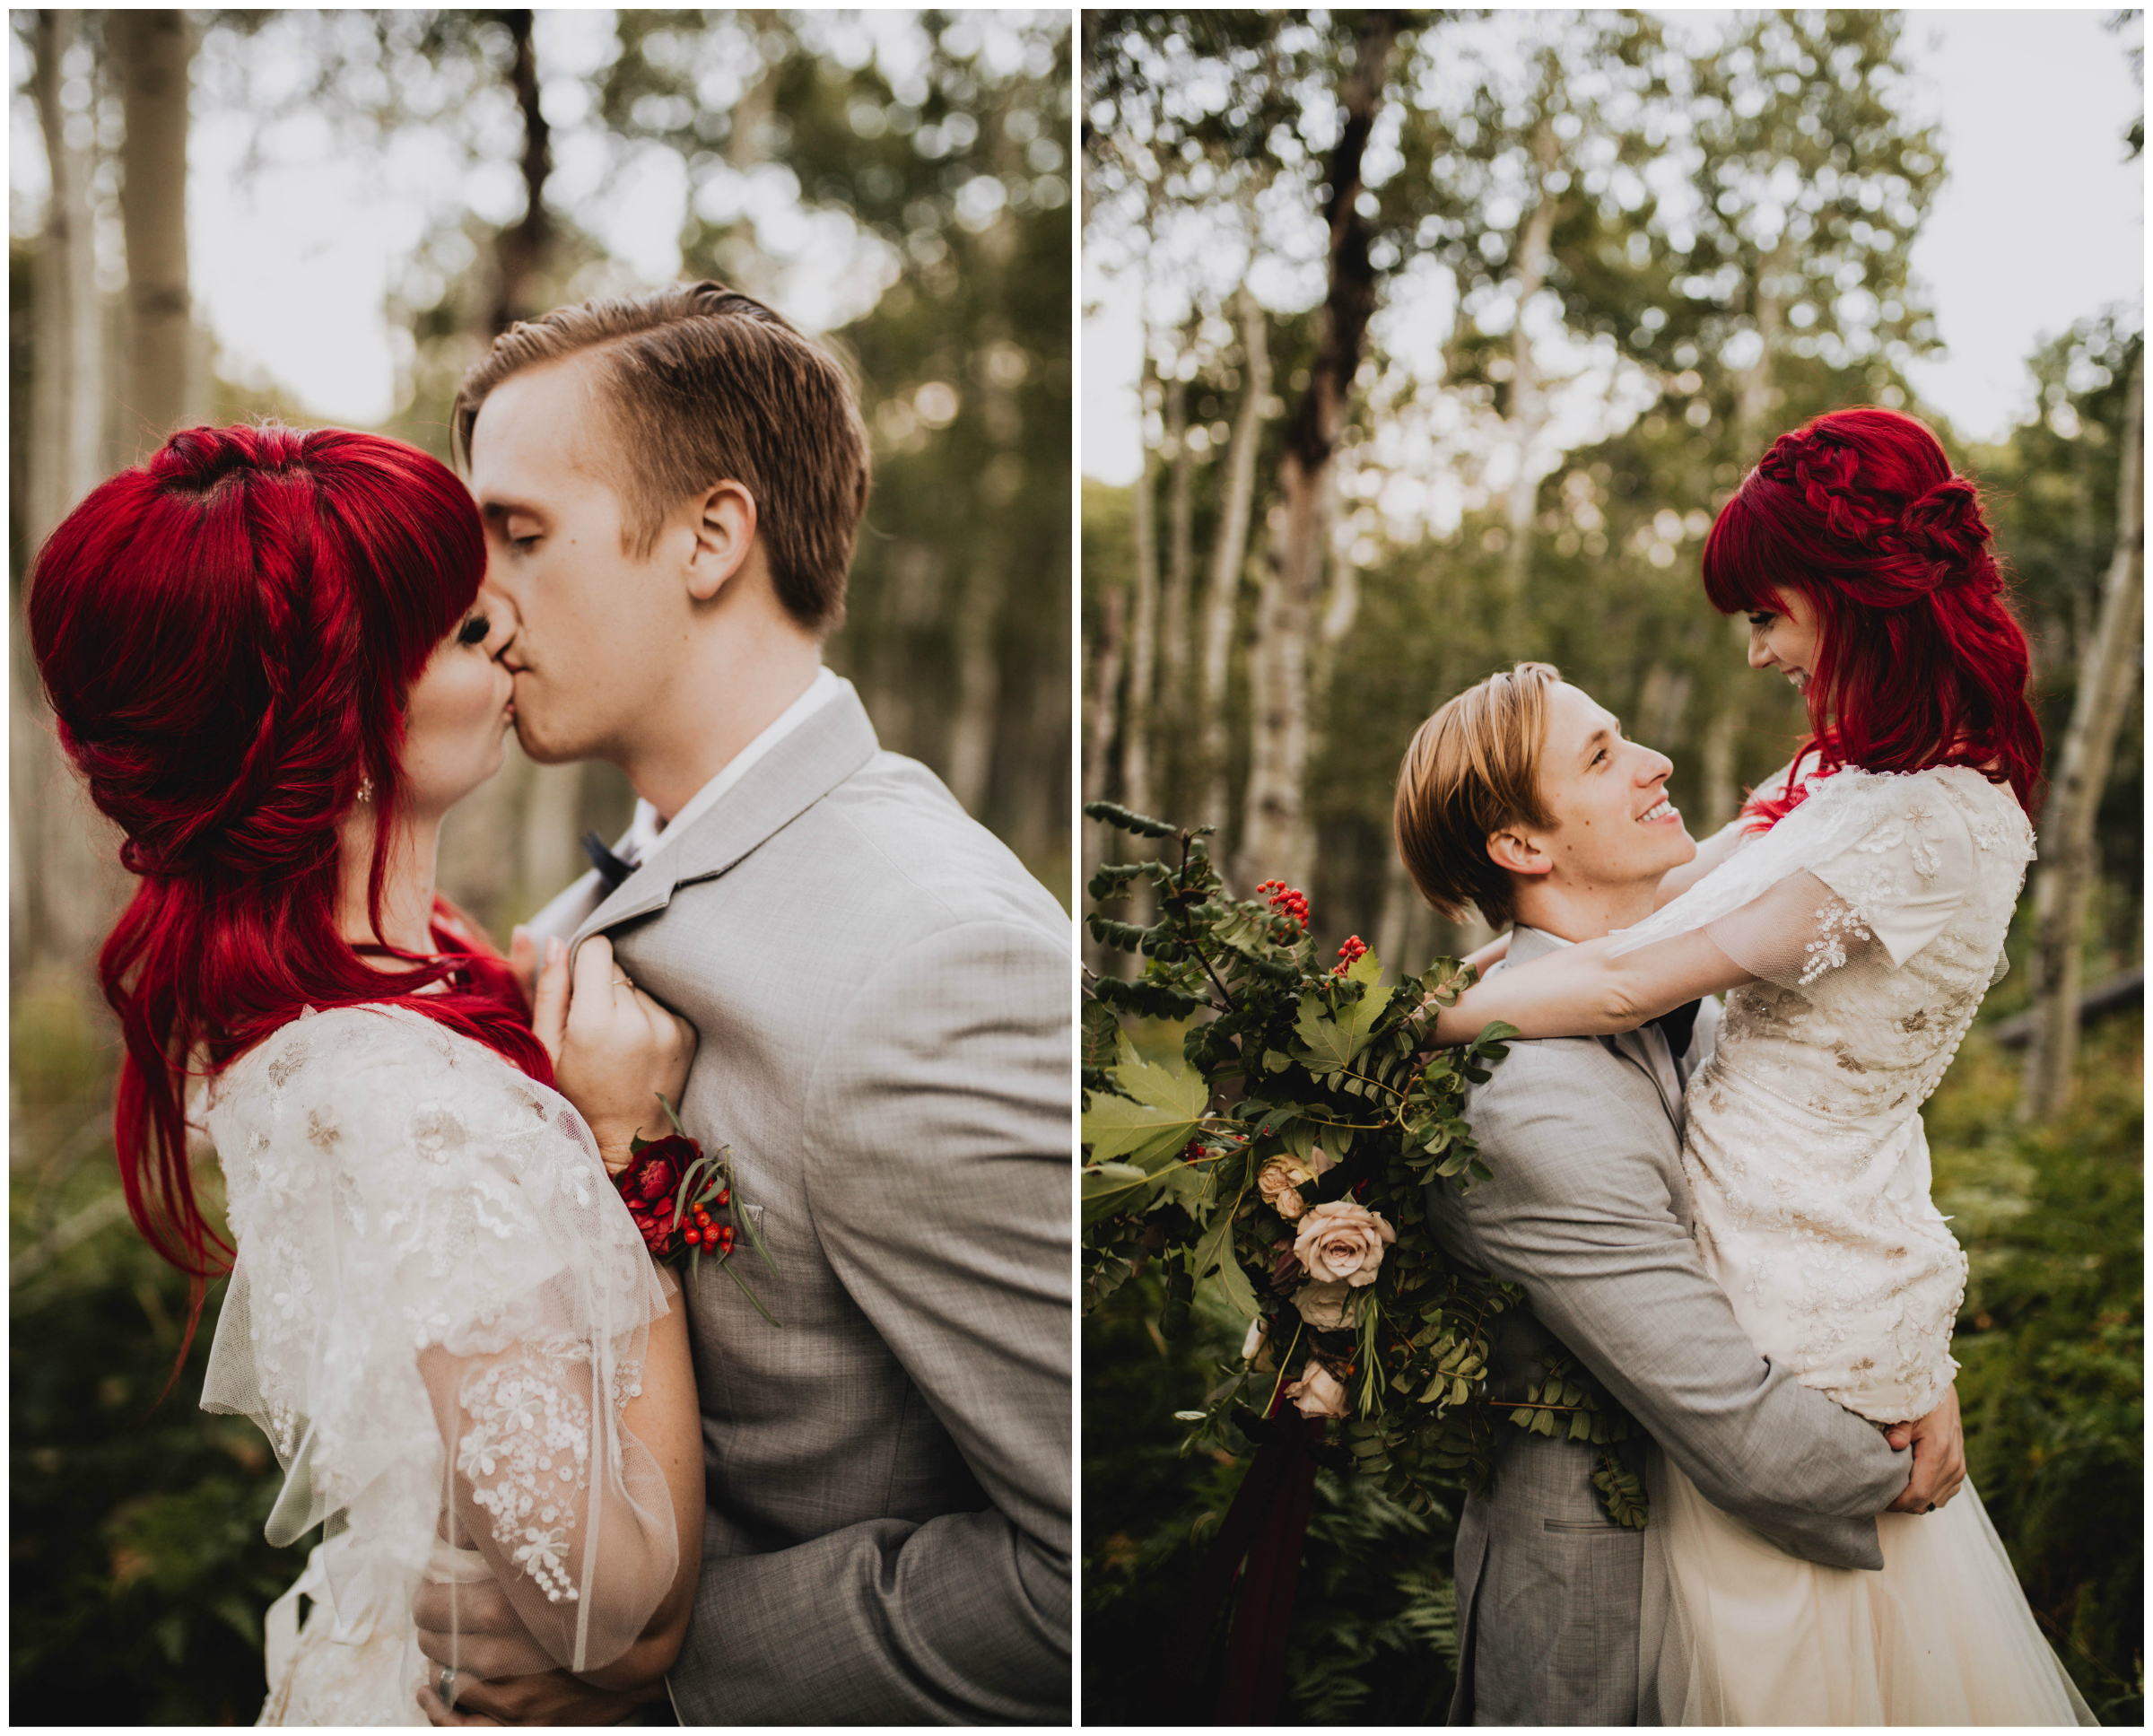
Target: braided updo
[1920, 661]
[227, 634]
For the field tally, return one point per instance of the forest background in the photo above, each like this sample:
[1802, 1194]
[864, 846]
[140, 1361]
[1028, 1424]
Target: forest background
[1456, 333]
[898, 182]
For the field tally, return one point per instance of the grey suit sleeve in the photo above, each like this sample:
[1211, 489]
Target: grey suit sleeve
[1579, 1214]
[939, 1153]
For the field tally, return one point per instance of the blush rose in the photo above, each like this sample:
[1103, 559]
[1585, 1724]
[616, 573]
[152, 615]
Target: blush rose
[1317, 1393]
[1341, 1242]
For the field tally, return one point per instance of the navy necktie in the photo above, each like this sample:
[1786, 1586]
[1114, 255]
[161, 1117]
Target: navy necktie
[610, 868]
[1674, 1026]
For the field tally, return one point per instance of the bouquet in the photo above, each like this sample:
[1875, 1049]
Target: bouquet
[1282, 1165]
[683, 1203]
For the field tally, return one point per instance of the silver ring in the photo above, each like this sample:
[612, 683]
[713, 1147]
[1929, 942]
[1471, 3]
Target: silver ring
[445, 1685]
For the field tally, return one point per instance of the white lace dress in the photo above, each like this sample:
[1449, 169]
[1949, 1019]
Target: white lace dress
[1873, 917]
[430, 1252]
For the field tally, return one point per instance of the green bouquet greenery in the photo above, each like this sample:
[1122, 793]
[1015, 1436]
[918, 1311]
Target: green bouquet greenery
[1282, 1165]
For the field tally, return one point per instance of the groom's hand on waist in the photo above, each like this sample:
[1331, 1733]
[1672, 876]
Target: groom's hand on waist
[1940, 1456]
[503, 1675]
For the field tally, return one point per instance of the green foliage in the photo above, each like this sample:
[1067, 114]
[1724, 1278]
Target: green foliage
[139, 1572]
[1314, 1081]
[1374, 1634]
[2051, 1342]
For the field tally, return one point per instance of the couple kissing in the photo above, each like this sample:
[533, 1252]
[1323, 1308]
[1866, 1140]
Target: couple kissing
[819, 1475]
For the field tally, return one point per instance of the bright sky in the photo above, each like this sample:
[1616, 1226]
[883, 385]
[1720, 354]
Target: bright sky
[2040, 222]
[290, 264]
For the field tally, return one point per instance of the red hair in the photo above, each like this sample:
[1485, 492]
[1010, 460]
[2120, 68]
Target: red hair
[1919, 661]
[227, 634]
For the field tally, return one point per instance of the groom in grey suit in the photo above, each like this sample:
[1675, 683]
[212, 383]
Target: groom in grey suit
[881, 994]
[1521, 795]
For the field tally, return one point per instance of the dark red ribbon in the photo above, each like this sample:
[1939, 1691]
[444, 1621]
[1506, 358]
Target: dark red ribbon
[1267, 1525]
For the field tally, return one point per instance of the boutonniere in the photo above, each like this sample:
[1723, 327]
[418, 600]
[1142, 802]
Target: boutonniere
[687, 1206]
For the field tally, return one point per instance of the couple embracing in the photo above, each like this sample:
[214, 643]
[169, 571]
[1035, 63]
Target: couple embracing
[1723, 1214]
[560, 1482]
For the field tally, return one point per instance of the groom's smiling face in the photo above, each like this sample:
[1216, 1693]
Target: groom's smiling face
[599, 627]
[1614, 827]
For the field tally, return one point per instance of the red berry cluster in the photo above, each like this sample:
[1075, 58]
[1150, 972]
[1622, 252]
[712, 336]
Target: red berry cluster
[1349, 955]
[1285, 901]
[700, 1232]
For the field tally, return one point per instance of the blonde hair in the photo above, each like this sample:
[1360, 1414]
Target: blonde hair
[702, 385]
[1474, 769]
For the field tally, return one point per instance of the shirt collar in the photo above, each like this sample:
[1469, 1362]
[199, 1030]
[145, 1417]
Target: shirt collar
[646, 835]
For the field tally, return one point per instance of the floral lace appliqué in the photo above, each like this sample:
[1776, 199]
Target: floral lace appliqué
[526, 1456]
[1838, 922]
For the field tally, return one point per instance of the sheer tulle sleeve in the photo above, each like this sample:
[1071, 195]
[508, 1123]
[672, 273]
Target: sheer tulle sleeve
[440, 1307]
[1871, 867]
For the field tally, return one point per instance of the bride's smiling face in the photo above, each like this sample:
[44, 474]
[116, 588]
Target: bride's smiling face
[1786, 639]
[459, 710]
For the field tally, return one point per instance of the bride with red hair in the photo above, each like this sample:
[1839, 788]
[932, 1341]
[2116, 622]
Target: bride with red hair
[1853, 915]
[273, 659]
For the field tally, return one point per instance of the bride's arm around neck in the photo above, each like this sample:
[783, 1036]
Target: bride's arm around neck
[1584, 992]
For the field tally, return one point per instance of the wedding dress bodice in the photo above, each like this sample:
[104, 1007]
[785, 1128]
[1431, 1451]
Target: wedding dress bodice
[440, 1307]
[1873, 916]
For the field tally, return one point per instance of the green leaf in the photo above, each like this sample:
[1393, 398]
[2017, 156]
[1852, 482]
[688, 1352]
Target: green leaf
[1102, 1035]
[1368, 972]
[1215, 1260]
[1335, 1038]
[726, 1266]
[1169, 1103]
[1125, 820]
[1111, 1188]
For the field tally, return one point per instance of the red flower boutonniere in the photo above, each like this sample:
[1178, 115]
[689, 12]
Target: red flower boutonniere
[686, 1205]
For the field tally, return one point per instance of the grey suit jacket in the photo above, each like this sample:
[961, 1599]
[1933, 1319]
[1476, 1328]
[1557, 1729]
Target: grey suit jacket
[883, 998]
[1589, 1210]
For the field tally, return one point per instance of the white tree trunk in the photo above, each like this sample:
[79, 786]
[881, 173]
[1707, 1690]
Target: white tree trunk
[68, 357]
[1275, 837]
[2107, 668]
[1275, 840]
[1098, 744]
[1180, 522]
[1527, 400]
[1137, 700]
[64, 879]
[1229, 554]
[152, 52]
[1722, 794]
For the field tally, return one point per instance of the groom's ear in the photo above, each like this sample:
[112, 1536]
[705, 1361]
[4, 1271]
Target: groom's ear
[724, 525]
[1515, 853]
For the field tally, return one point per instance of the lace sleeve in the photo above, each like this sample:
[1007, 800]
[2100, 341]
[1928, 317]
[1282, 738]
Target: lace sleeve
[1871, 863]
[439, 1309]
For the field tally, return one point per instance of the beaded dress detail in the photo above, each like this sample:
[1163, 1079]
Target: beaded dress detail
[1873, 918]
[439, 1310]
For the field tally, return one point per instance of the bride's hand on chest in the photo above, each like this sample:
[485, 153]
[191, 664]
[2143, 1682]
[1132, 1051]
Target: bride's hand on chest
[614, 1049]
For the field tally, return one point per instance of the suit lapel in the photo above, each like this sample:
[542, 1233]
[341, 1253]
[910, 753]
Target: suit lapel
[1652, 1054]
[1640, 1045]
[811, 761]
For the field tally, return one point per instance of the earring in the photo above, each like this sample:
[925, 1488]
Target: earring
[366, 788]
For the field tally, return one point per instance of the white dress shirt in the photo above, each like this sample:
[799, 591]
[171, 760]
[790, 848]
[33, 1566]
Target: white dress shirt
[647, 833]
